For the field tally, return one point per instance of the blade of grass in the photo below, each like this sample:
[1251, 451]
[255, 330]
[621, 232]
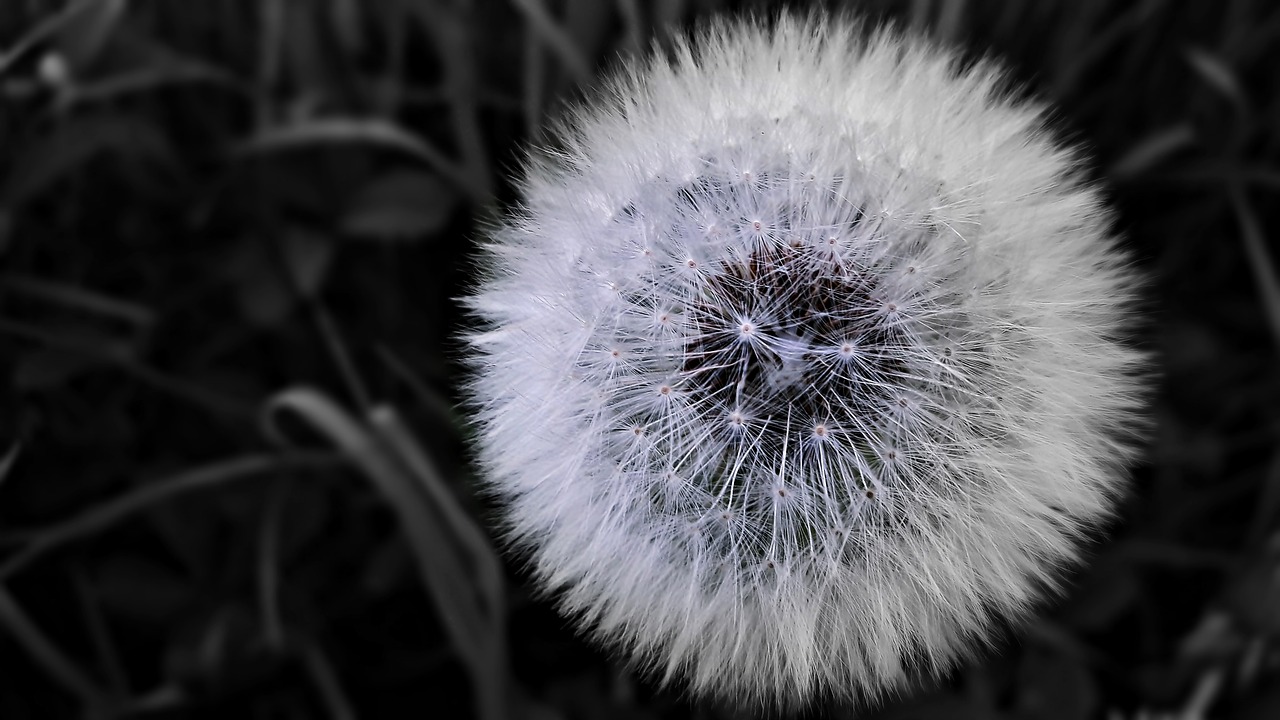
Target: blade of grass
[270, 42]
[160, 699]
[147, 80]
[539, 18]
[39, 542]
[430, 400]
[534, 81]
[145, 374]
[1102, 40]
[1219, 77]
[79, 298]
[84, 37]
[1208, 686]
[46, 28]
[1154, 149]
[429, 529]
[47, 655]
[490, 679]
[392, 430]
[1260, 262]
[326, 681]
[268, 570]
[346, 22]
[454, 43]
[338, 352]
[370, 131]
[633, 42]
[104, 647]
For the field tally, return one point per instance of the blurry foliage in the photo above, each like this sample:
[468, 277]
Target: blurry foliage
[230, 235]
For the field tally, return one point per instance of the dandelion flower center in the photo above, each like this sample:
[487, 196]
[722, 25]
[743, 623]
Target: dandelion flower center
[780, 342]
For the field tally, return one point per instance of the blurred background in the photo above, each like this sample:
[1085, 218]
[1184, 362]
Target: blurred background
[234, 481]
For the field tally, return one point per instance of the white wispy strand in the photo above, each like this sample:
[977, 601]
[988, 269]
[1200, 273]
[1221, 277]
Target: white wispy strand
[802, 361]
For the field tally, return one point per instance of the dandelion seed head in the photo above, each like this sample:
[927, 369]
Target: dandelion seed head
[863, 387]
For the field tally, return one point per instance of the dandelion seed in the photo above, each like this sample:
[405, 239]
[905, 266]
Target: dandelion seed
[828, 493]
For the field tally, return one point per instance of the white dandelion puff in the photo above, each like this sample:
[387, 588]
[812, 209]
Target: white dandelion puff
[803, 361]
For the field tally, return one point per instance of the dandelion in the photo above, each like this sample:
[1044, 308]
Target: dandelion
[802, 361]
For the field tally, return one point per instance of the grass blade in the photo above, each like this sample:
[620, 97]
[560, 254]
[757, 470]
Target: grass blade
[1260, 262]
[431, 526]
[109, 513]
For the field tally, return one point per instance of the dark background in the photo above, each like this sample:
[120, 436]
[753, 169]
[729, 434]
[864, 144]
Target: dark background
[230, 235]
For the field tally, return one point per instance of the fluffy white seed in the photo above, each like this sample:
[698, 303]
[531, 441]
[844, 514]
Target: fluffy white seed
[802, 360]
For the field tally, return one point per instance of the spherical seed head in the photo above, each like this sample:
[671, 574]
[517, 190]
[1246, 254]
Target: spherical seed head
[884, 321]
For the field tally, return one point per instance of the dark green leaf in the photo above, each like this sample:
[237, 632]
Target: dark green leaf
[10, 457]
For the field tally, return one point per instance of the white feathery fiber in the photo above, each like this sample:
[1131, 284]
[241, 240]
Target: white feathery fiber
[802, 360]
